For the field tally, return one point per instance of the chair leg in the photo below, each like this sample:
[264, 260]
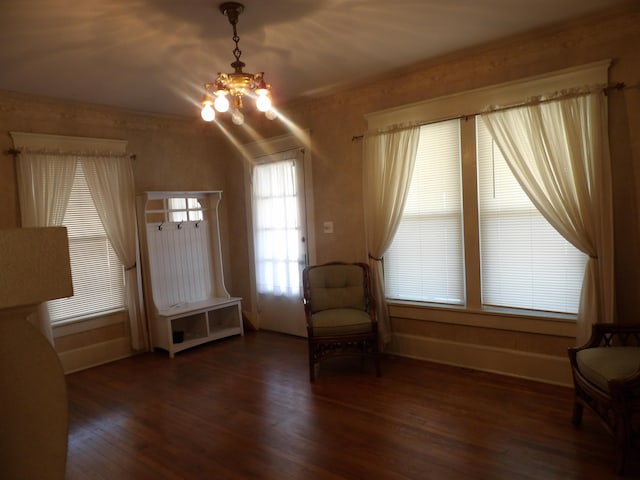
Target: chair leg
[312, 369]
[376, 359]
[312, 364]
[621, 460]
[623, 443]
[576, 419]
[624, 439]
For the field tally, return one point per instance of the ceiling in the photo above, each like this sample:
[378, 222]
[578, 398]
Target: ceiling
[155, 55]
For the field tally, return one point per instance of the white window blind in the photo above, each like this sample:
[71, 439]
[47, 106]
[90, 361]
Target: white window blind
[525, 263]
[425, 261]
[96, 270]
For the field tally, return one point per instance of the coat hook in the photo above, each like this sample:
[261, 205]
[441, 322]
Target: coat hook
[197, 224]
[160, 226]
[180, 226]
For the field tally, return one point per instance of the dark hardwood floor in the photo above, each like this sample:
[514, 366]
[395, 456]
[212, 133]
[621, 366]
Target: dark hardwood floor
[243, 408]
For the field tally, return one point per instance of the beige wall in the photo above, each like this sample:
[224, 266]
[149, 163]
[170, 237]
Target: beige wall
[185, 154]
[492, 342]
[171, 154]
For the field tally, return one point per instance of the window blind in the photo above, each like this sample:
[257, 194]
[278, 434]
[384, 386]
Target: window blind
[96, 270]
[525, 263]
[425, 261]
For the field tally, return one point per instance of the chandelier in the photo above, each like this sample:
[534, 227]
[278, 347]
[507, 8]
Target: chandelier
[234, 86]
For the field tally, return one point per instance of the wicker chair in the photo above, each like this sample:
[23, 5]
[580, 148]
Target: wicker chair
[340, 313]
[606, 376]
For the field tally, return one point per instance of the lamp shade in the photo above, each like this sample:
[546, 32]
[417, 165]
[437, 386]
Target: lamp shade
[34, 265]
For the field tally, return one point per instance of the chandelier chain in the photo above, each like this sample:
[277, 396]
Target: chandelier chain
[236, 38]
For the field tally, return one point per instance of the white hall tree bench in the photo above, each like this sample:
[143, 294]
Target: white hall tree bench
[185, 296]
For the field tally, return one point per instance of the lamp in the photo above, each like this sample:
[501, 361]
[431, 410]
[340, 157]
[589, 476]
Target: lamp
[34, 267]
[236, 84]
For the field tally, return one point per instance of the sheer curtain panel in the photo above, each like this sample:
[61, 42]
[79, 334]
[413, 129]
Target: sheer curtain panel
[110, 181]
[45, 182]
[276, 218]
[389, 157]
[558, 151]
[44, 186]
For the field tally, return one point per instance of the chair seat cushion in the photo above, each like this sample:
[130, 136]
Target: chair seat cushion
[340, 321]
[601, 364]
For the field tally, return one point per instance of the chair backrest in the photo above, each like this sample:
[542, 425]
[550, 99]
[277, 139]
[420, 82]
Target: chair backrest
[336, 285]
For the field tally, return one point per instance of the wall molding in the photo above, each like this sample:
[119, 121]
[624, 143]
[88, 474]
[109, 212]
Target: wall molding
[514, 363]
[41, 108]
[94, 355]
[38, 141]
[471, 101]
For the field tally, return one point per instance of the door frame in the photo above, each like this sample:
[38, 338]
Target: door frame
[266, 147]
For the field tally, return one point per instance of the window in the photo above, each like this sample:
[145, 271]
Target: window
[524, 262]
[545, 277]
[184, 209]
[97, 272]
[426, 260]
[277, 228]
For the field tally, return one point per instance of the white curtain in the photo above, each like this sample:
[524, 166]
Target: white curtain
[44, 187]
[110, 181]
[558, 151]
[389, 157]
[44, 184]
[276, 222]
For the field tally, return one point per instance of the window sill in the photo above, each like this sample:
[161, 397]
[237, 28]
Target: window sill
[494, 318]
[83, 324]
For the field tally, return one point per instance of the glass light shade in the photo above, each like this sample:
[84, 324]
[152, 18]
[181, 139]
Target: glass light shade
[207, 113]
[271, 114]
[263, 102]
[221, 103]
[237, 117]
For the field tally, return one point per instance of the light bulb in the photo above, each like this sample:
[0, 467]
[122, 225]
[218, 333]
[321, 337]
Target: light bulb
[271, 114]
[221, 103]
[263, 102]
[207, 113]
[237, 117]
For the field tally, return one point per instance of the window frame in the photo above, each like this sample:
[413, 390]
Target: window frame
[111, 255]
[68, 143]
[466, 105]
[445, 214]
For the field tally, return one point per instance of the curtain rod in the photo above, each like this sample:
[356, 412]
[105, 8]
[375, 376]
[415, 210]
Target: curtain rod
[15, 152]
[604, 88]
[292, 149]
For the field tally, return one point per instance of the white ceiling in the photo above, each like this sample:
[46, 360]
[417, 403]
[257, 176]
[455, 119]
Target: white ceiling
[154, 55]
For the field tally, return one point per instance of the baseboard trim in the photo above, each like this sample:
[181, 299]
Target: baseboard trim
[531, 366]
[94, 355]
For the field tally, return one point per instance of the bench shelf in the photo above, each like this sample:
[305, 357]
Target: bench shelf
[184, 326]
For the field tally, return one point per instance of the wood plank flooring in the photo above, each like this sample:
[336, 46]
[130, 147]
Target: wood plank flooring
[243, 408]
